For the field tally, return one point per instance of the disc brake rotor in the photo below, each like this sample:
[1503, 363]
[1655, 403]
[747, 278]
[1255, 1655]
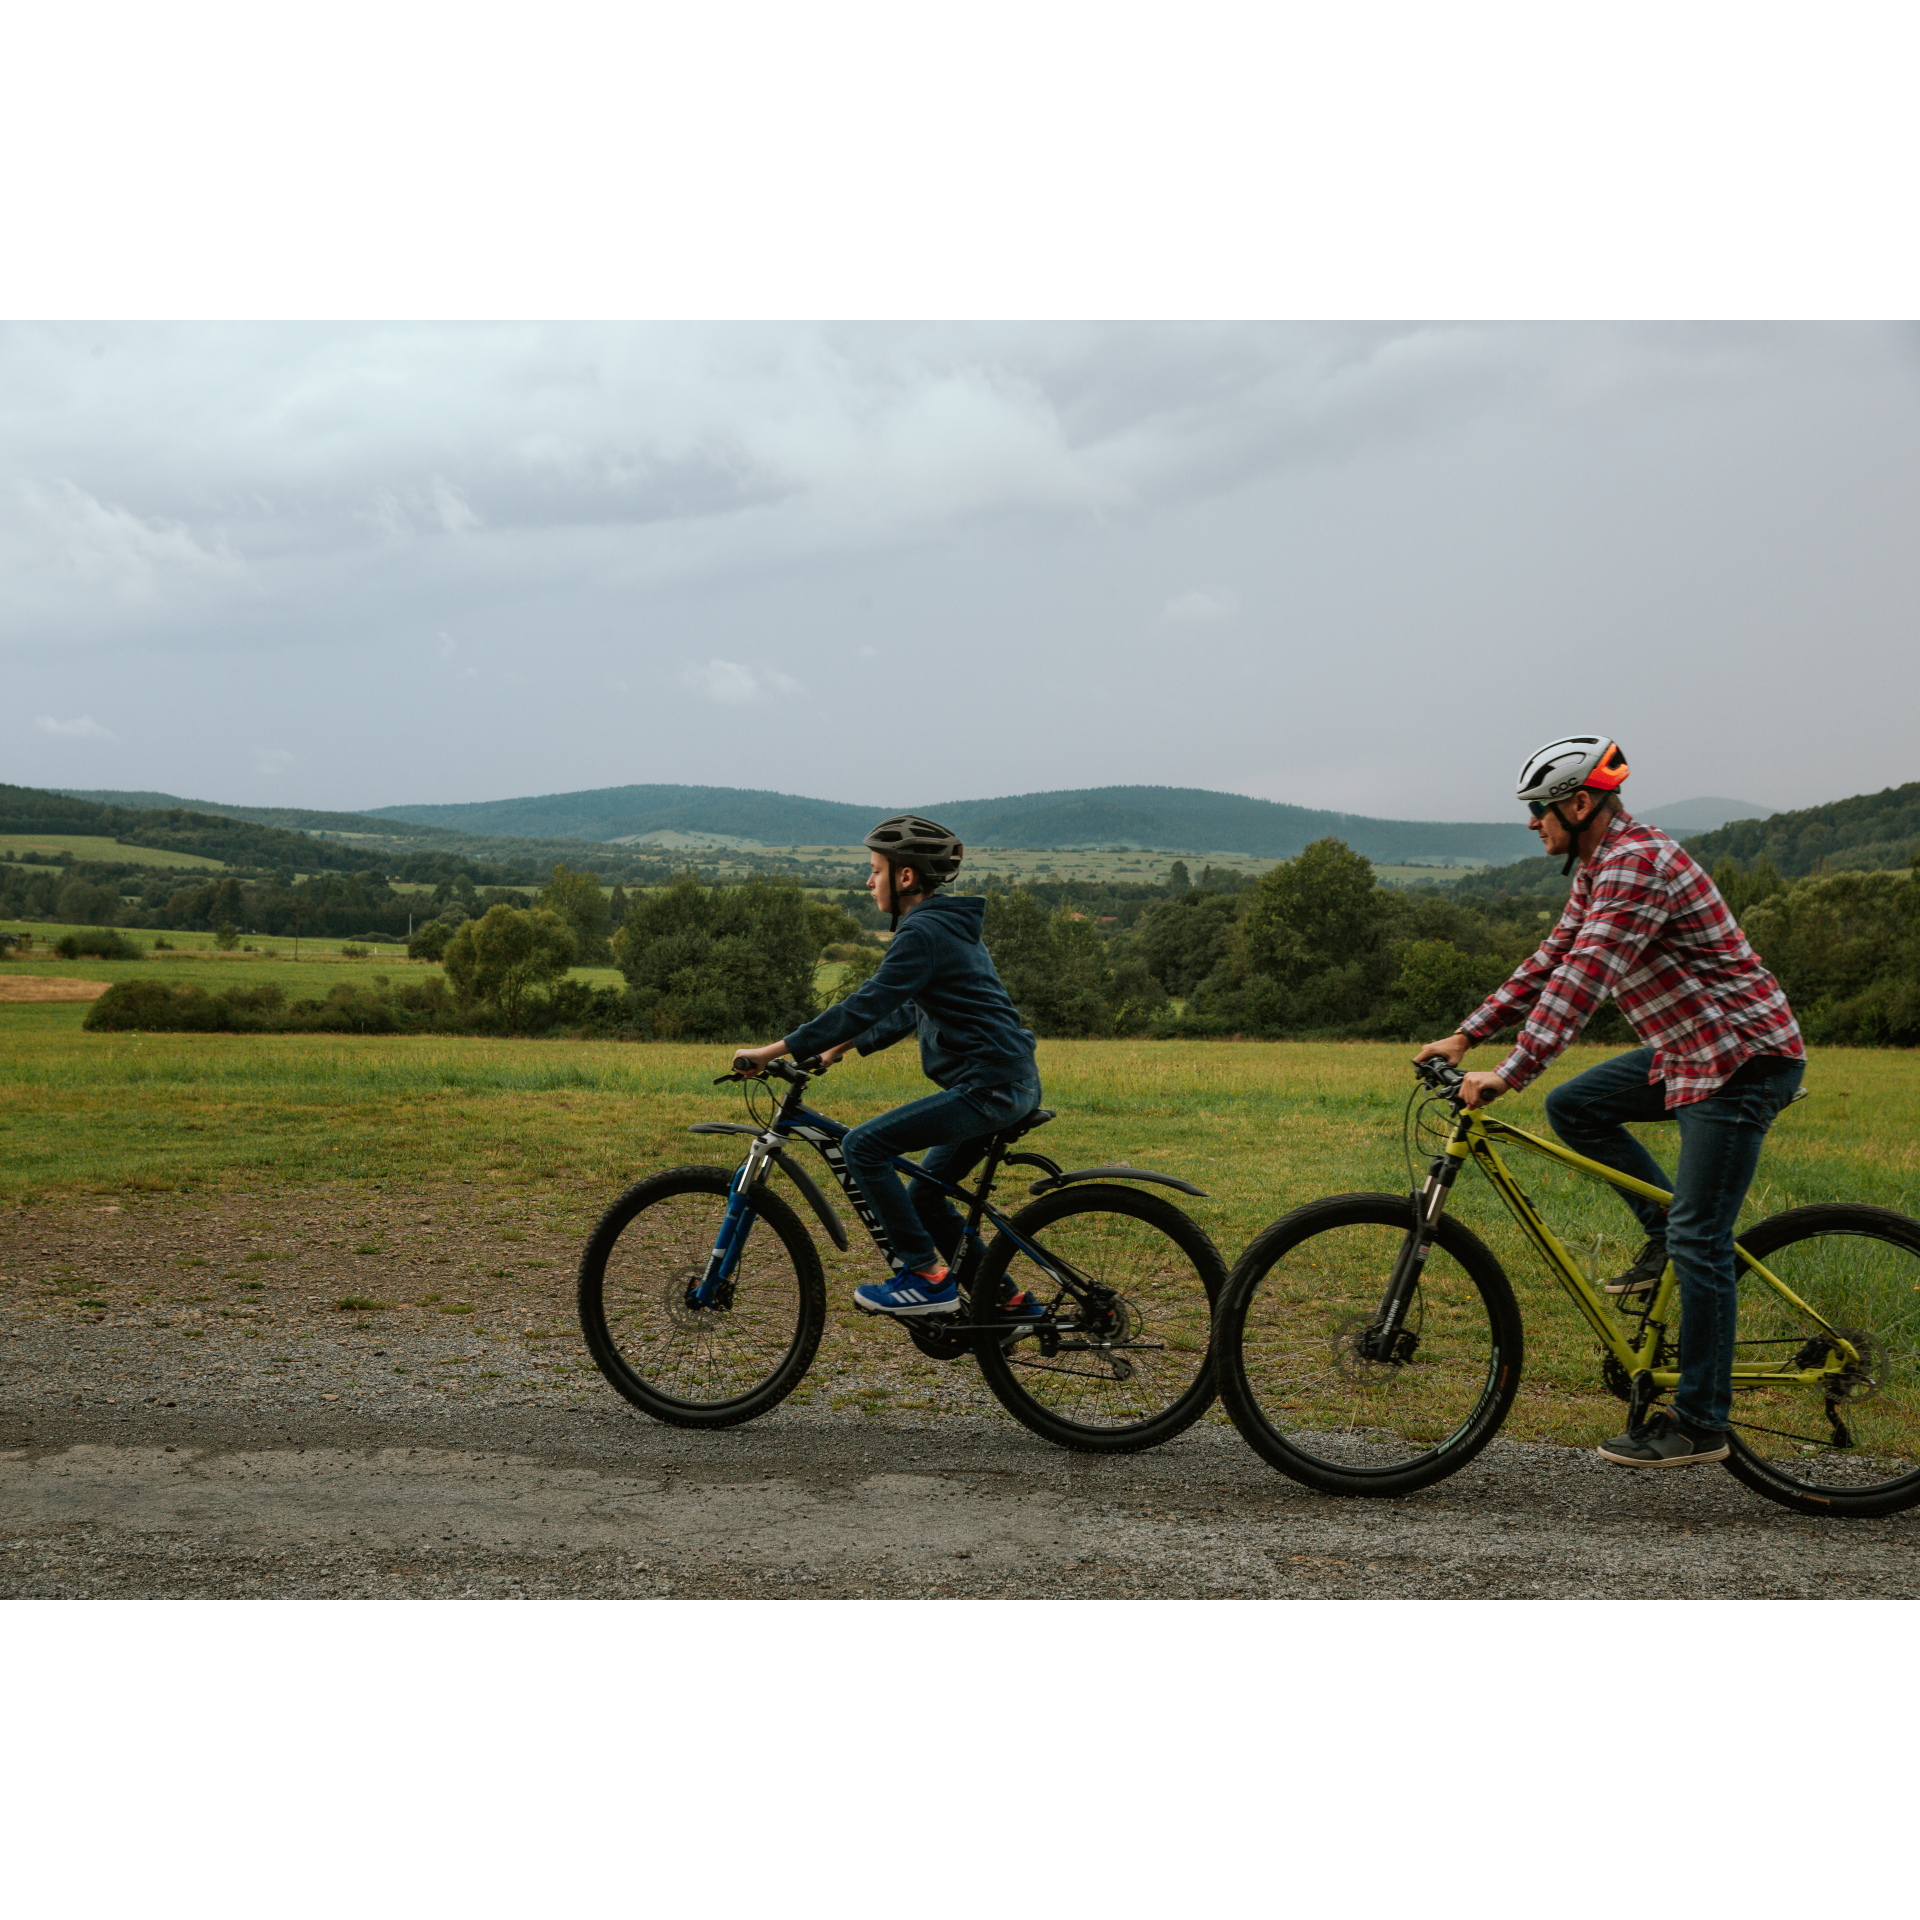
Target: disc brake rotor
[673, 1297]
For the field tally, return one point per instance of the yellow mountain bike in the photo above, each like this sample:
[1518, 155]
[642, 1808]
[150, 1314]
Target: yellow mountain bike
[1370, 1344]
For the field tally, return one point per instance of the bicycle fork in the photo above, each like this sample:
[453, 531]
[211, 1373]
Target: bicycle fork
[713, 1291]
[1389, 1338]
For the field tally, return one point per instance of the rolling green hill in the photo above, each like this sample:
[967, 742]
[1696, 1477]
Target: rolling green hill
[1173, 819]
[1868, 831]
[212, 836]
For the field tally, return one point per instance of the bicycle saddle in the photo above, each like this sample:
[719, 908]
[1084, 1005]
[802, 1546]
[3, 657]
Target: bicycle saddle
[1037, 1118]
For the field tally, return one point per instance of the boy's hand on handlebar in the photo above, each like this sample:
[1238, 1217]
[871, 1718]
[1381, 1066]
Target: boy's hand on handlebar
[752, 1061]
[1453, 1049]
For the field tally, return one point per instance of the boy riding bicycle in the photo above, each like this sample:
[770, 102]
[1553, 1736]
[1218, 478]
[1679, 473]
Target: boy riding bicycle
[1646, 926]
[937, 979]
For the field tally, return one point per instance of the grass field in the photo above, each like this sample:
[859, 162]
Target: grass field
[95, 846]
[1262, 1126]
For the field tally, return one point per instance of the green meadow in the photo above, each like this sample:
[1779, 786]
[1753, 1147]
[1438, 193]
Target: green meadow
[1262, 1126]
[96, 846]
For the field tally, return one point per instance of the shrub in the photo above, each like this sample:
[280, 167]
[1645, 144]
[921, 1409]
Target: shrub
[226, 936]
[100, 943]
[157, 1006]
[352, 952]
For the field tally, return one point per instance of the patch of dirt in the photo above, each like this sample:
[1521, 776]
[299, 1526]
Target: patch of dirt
[43, 986]
[388, 1272]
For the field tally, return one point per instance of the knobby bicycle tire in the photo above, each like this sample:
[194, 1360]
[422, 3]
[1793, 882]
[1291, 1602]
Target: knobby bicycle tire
[1860, 1267]
[1294, 1377]
[1145, 1373]
[711, 1367]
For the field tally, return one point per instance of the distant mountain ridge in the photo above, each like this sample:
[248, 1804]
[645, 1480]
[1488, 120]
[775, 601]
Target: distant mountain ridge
[1169, 819]
[1698, 816]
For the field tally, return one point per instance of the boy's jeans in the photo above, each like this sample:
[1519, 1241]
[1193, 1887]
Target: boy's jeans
[953, 1127]
[1720, 1139]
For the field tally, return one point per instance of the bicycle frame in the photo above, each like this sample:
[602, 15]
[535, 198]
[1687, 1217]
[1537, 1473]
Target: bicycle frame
[1642, 1354]
[824, 1134]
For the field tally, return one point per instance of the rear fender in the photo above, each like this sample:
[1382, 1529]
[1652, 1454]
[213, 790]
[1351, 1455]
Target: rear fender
[1121, 1172]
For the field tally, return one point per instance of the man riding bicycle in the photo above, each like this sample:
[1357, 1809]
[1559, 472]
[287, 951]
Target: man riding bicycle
[1646, 926]
[937, 979]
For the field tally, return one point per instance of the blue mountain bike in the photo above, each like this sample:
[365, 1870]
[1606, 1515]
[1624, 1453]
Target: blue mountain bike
[703, 1299]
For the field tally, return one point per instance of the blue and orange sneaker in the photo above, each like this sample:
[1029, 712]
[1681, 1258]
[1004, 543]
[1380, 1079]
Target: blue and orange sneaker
[1022, 1306]
[908, 1296]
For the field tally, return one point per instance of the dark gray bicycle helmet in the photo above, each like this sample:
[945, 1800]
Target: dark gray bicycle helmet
[907, 840]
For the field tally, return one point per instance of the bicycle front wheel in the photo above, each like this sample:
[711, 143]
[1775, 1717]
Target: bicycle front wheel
[700, 1366]
[1130, 1366]
[1296, 1374]
[1849, 1446]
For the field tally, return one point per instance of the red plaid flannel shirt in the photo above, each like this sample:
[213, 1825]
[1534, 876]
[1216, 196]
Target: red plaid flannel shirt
[1645, 925]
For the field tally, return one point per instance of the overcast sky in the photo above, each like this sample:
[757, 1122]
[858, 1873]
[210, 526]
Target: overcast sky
[1361, 567]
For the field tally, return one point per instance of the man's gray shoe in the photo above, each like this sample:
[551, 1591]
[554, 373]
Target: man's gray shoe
[1644, 1275]
[1664, 1442]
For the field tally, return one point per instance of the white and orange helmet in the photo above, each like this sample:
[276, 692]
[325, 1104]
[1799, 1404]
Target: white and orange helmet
[1561, 768]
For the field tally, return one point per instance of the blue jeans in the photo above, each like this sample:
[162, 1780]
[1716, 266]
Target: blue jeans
[1720, 1139]
[954, 1128]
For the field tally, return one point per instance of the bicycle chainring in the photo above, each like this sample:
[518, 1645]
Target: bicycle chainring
[934, 1343]
[1615, 1378]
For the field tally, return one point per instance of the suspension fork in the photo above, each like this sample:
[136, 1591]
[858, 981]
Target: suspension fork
[1386, 1339]
[714, 1288]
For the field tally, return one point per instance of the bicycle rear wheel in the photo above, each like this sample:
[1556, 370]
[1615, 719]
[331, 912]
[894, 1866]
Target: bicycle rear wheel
[1850, 1446]
[1123, 1376]
[700, 1367]
[1294, 1375]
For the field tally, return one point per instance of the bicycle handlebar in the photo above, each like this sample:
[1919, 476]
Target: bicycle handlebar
[1440, 1076]
[798, 1074]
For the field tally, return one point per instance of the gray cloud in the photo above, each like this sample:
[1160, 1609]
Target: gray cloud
[1357, 566]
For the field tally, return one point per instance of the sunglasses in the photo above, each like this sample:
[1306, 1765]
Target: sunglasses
[1538, 808]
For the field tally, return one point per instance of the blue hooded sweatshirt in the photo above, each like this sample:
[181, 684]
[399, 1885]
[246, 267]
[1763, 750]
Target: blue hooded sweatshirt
[938, 977]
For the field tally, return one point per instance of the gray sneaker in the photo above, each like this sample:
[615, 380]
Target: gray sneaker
[1644, 1275]
[1664, 1442]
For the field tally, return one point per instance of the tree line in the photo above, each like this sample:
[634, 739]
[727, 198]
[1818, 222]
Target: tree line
[1313, 948]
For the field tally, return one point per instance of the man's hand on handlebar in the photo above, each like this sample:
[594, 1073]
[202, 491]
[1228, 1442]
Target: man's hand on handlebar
[1475, 1089]
[1482, 1089]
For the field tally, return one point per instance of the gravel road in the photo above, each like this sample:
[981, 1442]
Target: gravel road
[169, 1429]
[387, 1502]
